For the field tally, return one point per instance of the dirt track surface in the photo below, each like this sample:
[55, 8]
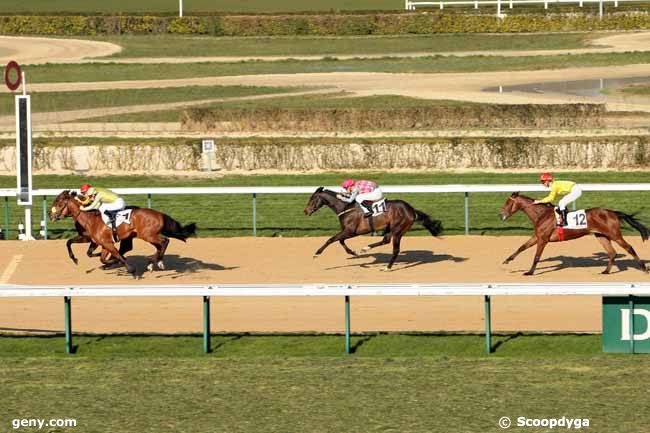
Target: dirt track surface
[289, 260]
[30, 50]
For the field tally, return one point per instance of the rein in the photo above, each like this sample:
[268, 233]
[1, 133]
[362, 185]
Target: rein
[345, 211]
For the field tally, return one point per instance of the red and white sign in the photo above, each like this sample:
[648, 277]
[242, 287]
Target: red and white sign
[13, 85]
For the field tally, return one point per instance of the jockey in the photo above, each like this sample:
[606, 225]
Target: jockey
[568, 189]
[361, 191]
[106, 201]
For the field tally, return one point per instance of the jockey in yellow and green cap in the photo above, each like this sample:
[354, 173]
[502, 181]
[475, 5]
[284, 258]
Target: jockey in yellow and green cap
[106, 201]
[570, 190]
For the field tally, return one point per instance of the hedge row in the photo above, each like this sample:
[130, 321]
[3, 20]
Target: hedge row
[464, 116]
[318, 25]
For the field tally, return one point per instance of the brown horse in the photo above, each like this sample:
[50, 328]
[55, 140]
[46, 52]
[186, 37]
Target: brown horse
[605, 224]
[147, 224]
[395, 222]
[83, 237]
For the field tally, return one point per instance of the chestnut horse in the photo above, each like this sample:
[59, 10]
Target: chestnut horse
[147, 224]
[605, 224]
[395, 222]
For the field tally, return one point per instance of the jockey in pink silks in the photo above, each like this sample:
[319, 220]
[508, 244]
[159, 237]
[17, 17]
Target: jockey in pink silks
[361, 191]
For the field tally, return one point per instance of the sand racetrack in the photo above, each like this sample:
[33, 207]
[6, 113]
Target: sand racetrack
[289, 260]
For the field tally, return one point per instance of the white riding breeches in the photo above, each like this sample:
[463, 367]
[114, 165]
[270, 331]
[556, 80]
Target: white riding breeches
[116, 205]
[375, 195]
[572, 196]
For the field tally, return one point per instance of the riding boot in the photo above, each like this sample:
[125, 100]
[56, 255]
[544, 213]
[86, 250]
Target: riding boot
[113, 222]
[366, 207]
[558, 217]
[565, 217]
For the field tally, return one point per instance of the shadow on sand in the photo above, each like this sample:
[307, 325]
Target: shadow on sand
[175, 267]
[597, 260]
[405, 260]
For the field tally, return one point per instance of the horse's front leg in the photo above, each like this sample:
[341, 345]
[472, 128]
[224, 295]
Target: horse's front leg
[80, 239]
[342, 235]
[347, 249]
[529, 243]
[540, 249]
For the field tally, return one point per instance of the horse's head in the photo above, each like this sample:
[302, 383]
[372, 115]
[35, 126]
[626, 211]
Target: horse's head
[60, 207]
[316, 201]
[512, 205]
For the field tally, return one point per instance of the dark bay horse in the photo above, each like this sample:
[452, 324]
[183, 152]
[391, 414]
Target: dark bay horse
[83, 237]
[603, 223]
[146, 224]
[395, 222]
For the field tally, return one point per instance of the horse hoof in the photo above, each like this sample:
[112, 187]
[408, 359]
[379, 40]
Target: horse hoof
[75, 261]
[365, 249]
[161, 265]
[505, 262]
[528, 274]
[385, 269]
[316, 256]
[150, 267]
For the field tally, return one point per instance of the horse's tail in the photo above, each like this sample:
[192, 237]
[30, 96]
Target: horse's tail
[631, 220]
[173, 229]
[434, 226]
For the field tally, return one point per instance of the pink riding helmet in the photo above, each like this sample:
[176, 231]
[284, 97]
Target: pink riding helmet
[347, 183]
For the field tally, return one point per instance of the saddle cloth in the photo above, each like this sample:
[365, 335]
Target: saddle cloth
[123, 217]
[577, 220]
[379, 207]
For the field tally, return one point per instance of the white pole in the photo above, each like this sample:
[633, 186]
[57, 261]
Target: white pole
[180, 8]
[24, 84]
[600, 9]
[28, 223]
[498, 8]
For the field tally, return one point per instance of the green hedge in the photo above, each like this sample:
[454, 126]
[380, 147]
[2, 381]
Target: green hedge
[464, 116]
[317, 25]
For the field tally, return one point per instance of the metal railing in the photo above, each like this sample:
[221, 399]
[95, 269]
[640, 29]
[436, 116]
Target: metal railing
[254, 191]
[206, 292]
[412, 5]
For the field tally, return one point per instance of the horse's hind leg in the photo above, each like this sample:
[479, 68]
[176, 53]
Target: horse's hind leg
[627, 247]
[607, 244]
[165, 244]
[397, 239]
[384, 241]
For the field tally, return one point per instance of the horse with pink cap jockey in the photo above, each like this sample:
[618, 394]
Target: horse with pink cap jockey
[361, 191]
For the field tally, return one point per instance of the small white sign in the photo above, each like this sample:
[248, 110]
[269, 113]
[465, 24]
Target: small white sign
[207, 146]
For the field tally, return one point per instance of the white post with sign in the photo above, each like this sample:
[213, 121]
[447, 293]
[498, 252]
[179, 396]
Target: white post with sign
[23, 144]
[207, 153]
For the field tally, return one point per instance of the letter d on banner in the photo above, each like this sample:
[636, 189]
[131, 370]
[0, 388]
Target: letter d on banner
[625, 329]
[625, 324]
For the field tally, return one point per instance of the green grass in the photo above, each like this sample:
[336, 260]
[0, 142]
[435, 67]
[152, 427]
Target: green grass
[305, 384]
[193, 46]
[338, 100]
[214, 6]
[112, 72]
[282, 215]
[635, 89]
[61, 101]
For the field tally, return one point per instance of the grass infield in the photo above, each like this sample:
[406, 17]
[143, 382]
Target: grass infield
[282, 215]
[305, 383]
[57, 73]
[196, 46]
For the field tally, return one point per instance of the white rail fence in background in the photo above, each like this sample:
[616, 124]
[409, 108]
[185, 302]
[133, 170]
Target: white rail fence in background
[345, 291]
[254, 191]
[412, 5]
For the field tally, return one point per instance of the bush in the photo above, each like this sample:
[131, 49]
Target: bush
[320, 25]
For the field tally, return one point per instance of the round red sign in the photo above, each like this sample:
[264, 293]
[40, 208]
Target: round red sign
[12, 66]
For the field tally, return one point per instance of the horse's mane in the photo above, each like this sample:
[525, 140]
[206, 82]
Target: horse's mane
[517, 194]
